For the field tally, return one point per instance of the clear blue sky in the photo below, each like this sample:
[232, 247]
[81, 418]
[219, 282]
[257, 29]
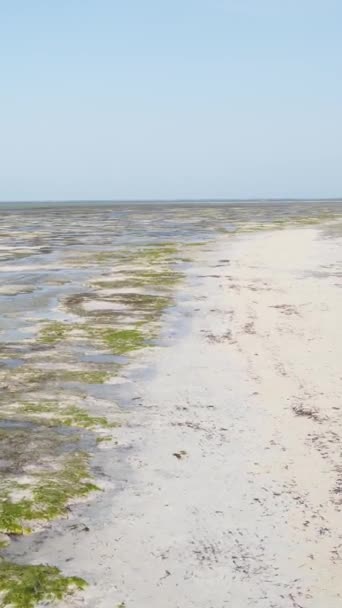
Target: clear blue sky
[174, 98]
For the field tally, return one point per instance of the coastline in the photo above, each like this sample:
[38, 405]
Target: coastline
[225, 487]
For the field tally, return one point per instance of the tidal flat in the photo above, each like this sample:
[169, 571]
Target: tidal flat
[84, 292]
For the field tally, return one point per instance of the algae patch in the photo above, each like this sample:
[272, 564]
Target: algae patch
[50, 493]
[123, 341]
[88, 377]
[54, 332]
[25, 586]
[143, 278]
[30, 377]
[63, 415]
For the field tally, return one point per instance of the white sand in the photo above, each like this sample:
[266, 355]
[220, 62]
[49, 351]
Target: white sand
[94, 305]
[248, 516]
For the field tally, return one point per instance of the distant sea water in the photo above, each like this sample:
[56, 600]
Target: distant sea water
[51, 204]
[56, 225]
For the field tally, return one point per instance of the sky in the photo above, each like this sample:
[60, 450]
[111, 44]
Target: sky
[159, 99]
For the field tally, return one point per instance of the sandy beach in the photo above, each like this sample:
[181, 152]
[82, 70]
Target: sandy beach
[226, 487]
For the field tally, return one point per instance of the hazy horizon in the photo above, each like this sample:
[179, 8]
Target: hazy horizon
[148, 202]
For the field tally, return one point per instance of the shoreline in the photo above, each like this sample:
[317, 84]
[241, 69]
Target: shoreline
[225, 488]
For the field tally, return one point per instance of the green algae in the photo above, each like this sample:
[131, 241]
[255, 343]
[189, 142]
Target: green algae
[163, 278]
[156, 250]
[88, 377]
[38, 408]
[31, 377]
[54, 332]
[144, 278]
[4, 542]
[150, 253]
[143, 301]
[26, 586]
[12, 516]
[49, 495]
[159, 253]
[103, 439]
[54, 492]
[74, 416]
[122, 341]
[65, 415]
[119, 283]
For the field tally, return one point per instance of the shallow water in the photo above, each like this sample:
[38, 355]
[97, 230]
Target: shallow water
[52, 251]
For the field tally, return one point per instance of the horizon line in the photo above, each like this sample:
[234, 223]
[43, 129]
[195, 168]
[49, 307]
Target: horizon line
[174, 200]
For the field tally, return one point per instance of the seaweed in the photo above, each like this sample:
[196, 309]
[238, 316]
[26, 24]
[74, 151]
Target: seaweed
[25, 586]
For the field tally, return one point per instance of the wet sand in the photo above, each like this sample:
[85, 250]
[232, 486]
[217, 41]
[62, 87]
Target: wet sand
[222, 486]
